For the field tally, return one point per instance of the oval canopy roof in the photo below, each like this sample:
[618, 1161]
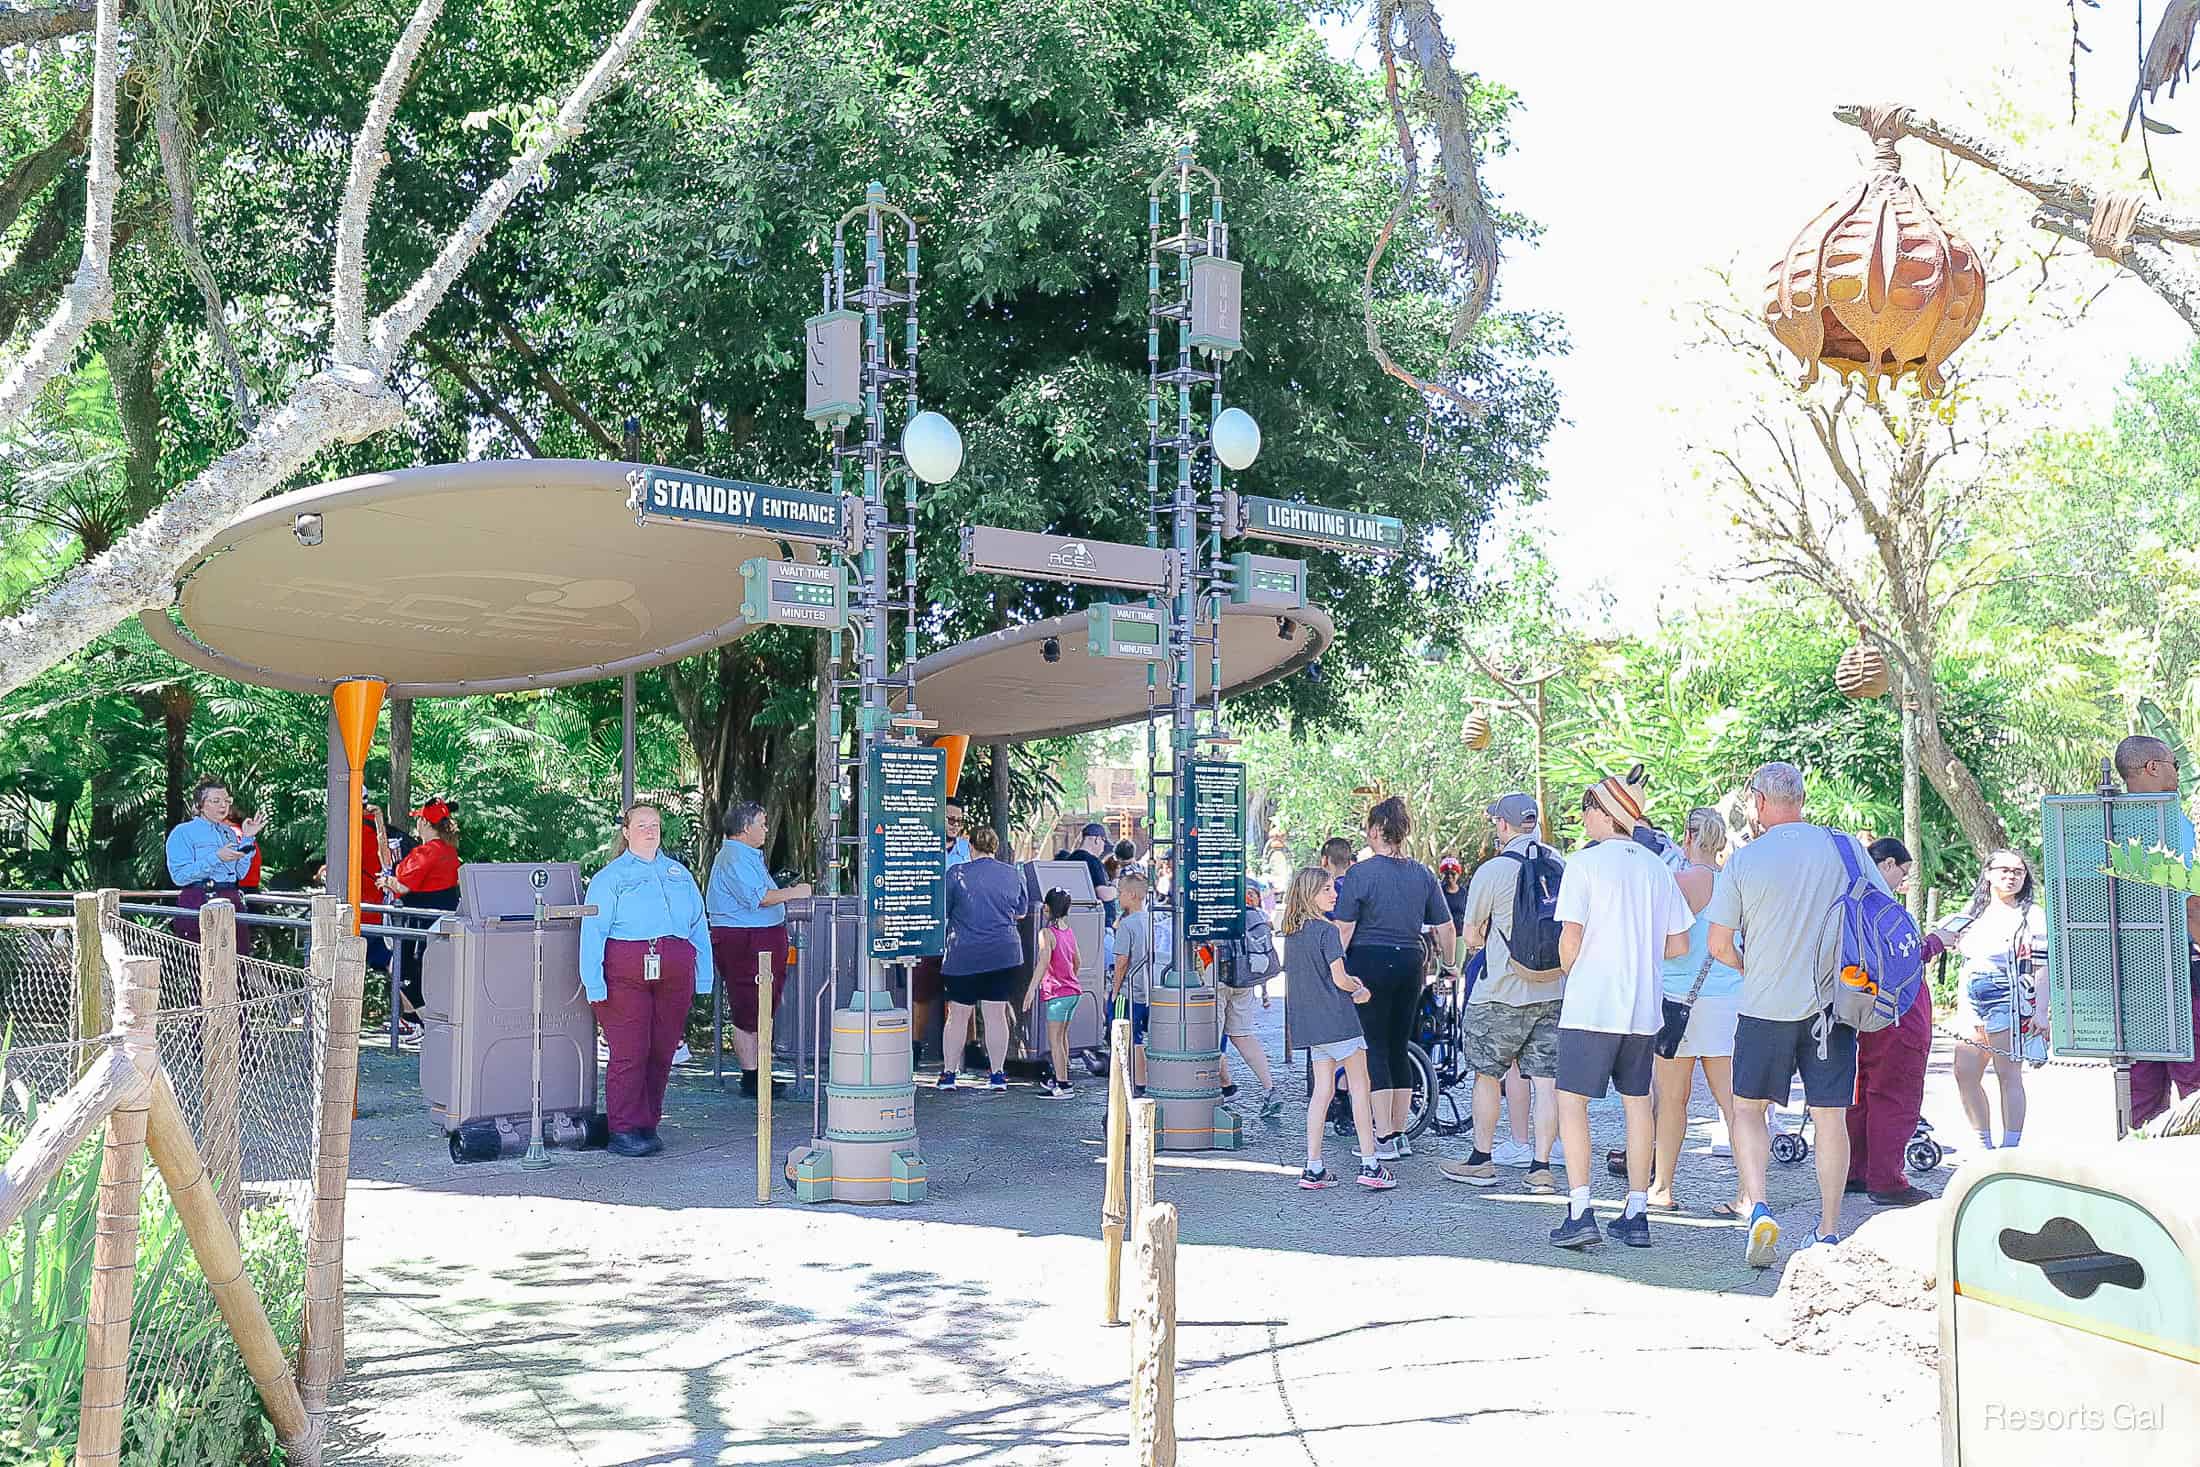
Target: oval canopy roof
[1000, 688]
[458, 578]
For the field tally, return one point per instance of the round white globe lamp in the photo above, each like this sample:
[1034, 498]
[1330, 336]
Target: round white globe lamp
[1236, 438]
[932, 447]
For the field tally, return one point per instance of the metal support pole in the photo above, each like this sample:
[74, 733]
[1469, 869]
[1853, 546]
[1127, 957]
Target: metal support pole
[626, 742]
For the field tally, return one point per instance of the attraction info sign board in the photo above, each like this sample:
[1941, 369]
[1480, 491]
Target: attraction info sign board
[905, 822]
[1214, 850]
[733, 504]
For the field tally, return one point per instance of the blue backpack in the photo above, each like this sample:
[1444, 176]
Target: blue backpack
[1880, 969]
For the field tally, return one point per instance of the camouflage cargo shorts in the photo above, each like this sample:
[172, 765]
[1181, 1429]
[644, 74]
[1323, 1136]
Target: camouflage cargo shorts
[1499, 1033]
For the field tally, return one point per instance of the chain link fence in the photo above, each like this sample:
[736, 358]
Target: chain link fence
[246, 1069]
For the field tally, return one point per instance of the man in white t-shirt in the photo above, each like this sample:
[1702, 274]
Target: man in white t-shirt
[1770, 919]
[1621, 914]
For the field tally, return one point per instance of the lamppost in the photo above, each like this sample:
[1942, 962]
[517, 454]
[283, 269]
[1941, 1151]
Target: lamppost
[866, 1150]
[1206, 796]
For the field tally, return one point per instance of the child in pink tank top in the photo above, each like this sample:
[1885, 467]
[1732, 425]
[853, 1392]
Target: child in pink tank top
[1054, 983]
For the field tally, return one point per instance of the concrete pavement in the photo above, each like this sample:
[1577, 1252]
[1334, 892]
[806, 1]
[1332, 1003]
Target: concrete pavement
[641, 1312]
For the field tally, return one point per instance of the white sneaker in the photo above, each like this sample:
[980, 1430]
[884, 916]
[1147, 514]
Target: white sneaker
[1405, 1144]
[681, 1056]
[1509, 1152]
[1558, 1153]
[1386, 1150]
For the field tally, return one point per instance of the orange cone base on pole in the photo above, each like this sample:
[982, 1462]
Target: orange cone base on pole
[358, 704]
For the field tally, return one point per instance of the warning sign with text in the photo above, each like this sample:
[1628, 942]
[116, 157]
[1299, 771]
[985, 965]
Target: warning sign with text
[1214, 850]
[904, 828]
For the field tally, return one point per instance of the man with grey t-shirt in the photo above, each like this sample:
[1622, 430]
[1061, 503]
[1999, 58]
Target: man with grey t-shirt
[1770, 919]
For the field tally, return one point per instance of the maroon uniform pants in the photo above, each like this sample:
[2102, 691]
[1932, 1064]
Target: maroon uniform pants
[1890, 1092]
[194, 897]
[733, 952]
[2151, 1079]
[643, 1024]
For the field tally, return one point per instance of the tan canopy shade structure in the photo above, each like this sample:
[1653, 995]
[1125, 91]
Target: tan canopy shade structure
[1000, 688]
[453, 579]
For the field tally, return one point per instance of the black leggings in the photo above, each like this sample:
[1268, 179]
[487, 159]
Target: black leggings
[1393, 979]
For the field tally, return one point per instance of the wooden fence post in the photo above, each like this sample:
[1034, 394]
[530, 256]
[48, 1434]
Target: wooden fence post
[764, 1078]
[1153, 1341]
[1112, 1214]
[91, 980]
[214, 1244]
[1145, 1121]
[321, 1335]
[221, 1029]
[115, 1241]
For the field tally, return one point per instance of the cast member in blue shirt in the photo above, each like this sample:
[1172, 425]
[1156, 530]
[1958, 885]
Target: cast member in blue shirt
[208, 857]
[644, 957]
[748, 917]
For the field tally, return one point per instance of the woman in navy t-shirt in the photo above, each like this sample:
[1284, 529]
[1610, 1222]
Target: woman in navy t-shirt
[1383, 903]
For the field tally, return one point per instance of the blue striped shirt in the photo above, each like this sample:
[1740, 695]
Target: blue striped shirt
[194, 854]
[739, 882]
[636, 900]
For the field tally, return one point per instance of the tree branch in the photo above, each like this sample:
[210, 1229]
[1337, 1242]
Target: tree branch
[442, 357]
[90, 296]
[343, 403]
[2161, 272]
[34, 170]
[553, 388]
[348, 294]
[175, 166]
[46, 23]
[396, 326]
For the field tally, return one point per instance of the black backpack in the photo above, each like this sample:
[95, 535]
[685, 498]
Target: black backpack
[1533, 941]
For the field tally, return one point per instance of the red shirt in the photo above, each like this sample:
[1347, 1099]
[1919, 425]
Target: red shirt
[432, 866]
[251, 880]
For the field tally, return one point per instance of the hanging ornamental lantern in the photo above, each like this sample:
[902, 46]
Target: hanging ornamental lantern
[1862, 670]
[1475, 732]
[1875, 286]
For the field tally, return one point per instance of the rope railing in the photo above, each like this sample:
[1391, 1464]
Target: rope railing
[140, 1296]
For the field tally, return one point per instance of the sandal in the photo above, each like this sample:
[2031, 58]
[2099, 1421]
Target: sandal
[1726, 1209]
[1672, 1207]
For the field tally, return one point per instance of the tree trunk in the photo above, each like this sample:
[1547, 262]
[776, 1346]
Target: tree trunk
[401, 759]
[57, 833]
[1913, 828]
[1952, 779]
[176, 706]
[997, 767]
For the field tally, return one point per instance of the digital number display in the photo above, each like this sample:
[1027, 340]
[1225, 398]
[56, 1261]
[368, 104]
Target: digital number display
[1281, 583]
[804, 593]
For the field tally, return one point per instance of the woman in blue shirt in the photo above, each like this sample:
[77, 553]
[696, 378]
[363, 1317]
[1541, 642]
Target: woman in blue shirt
[984, 961]
[748, 916]
[644, 957]
[208, 857]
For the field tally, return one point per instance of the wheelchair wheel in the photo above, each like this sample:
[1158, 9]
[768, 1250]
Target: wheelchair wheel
[1788, 1148]
[1421, 1109]
[1922, 1155]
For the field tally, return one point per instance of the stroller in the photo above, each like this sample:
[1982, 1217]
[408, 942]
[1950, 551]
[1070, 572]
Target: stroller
[1921, 1154]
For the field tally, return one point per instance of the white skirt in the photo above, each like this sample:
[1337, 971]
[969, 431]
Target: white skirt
[1710, 1032]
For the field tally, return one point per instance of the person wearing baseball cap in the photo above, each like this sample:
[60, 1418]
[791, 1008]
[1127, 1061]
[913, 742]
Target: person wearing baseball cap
[1512, 1014]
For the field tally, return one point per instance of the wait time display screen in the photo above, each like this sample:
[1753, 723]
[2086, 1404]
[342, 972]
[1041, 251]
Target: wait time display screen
[804, 593]
[1275, 583]
[1138, 633]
